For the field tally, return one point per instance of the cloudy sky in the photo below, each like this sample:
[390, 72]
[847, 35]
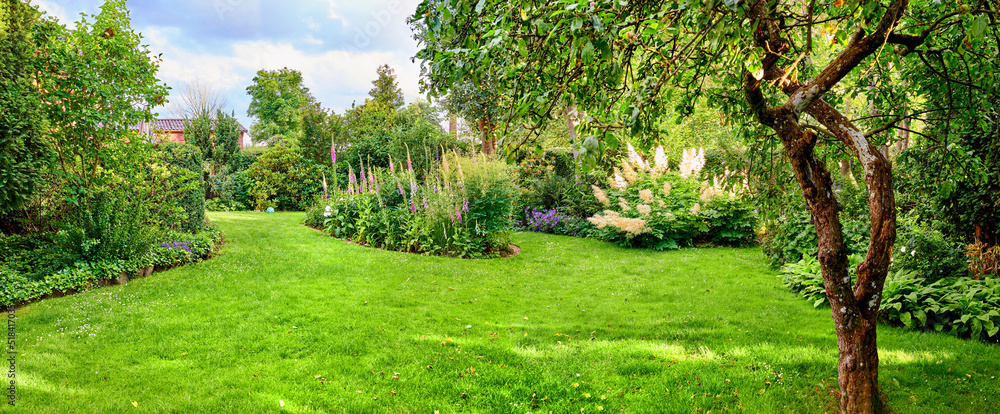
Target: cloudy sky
[336, 44]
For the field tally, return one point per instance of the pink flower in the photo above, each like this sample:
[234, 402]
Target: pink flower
[333, 153]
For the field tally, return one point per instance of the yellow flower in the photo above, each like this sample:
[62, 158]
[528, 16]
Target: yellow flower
[576, 384]
[585, 395]
[600, 408]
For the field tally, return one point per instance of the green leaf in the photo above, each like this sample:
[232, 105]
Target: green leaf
[905, 319]
[818, 302]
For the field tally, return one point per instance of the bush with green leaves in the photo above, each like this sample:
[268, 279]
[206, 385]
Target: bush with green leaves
[184, 178]
[284, 179]
[962, 306]
[648, 207]
[924, 250]
[464, 209]
[110, 226]
[20, 282]
[793, 237]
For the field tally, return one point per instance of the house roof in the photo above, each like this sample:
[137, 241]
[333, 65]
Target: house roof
[177, 124]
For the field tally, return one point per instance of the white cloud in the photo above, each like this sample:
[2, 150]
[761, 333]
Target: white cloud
[52, 8]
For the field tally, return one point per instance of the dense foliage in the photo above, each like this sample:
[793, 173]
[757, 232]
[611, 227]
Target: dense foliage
[283, 178]
[962, 306]
[25, 277]
[185, 180]
[24, 151]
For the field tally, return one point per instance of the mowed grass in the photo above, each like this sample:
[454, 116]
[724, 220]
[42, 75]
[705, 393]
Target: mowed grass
[286, 315]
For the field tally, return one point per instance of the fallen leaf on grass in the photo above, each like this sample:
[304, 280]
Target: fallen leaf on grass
[135, 404]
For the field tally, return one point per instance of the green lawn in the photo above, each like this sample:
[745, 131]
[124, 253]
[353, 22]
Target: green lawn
[285, 314]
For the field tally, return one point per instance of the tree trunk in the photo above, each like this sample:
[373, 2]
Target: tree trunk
[855, 305]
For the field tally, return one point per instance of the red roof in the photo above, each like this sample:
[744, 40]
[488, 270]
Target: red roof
[175, 124]
[171, 124]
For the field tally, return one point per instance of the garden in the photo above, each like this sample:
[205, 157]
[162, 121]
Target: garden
[608, 230]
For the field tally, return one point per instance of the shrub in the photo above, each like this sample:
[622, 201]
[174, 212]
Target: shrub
[170, 249]
[186, 180]
[962, 306]
[284, 179]
[110, 226]
[648, 207]
[924, 250]
[794, 238]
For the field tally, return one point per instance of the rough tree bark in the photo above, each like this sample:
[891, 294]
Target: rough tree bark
[854, 306]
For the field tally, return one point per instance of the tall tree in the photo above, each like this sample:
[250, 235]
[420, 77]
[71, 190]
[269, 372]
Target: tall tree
[386, 90]
[319, 126]
[276, 98]
[24, 151]
[97, 81]
[199, 97]
[756, 60]
[198, 132]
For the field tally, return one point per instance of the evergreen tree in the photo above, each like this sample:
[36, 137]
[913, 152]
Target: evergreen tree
[24, 152]
[386, 90]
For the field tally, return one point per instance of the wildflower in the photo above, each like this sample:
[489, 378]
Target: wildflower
[401, 192]
[328, 208]
[426, 207]
[666, 188]
[695, 208]
[646, 196]
[392, 166]
[409, 163]
[670, 216]
[413, 207]
[660, 160]
[913, 253]
[623, 204]
[465, 204]
[644, 209]
[661, 204]
[630, 175]
[461, 175]
[333, 153]
[903, 249]
[351, 180]
[601, 196]
[327, 214]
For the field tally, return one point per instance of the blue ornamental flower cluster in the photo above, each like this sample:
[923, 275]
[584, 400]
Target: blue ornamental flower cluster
[179, 245]
[545, 221]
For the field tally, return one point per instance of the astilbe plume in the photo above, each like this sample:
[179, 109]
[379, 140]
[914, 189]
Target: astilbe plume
[601, 196]
[630, 174]
[660, 160]
[636, 160]
[646, 196]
